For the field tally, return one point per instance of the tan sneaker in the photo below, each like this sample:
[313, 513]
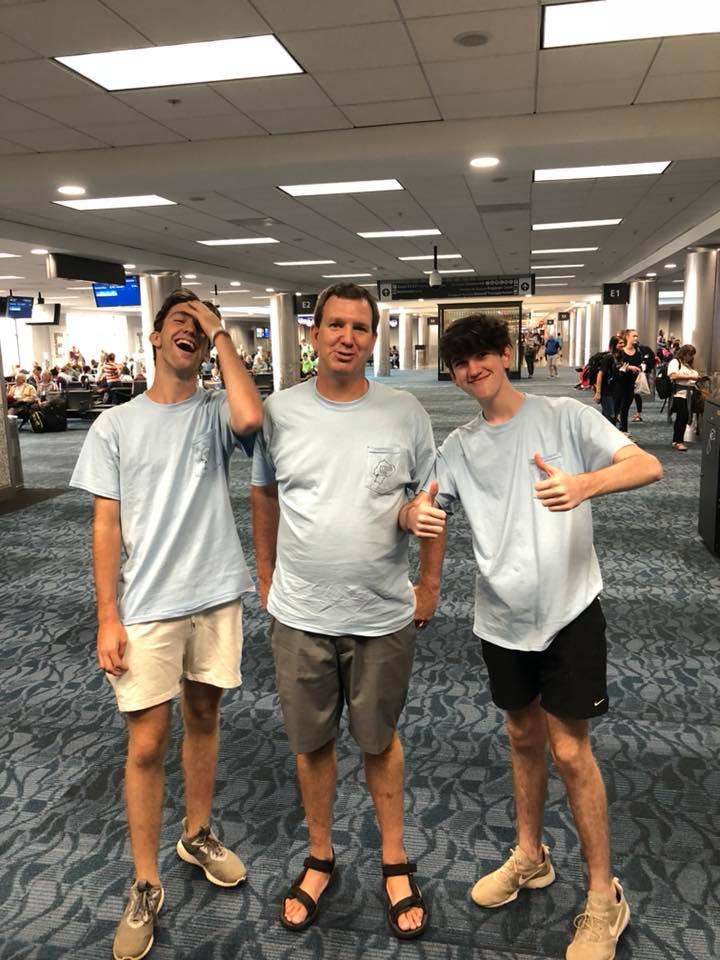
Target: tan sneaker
[517, 873]
[220, 865]
[136, 931]
[599, 927]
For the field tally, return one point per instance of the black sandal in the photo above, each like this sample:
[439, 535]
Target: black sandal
[297, 893]
[414, 900]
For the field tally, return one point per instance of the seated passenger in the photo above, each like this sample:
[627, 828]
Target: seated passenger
[21, 395]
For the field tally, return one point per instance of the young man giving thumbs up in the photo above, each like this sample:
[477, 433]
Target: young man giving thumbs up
[525, 470]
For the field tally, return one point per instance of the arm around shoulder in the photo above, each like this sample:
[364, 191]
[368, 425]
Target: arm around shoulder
[265, 520]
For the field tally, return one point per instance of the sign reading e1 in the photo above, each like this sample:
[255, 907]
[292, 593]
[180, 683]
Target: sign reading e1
[616, 293]
[563, 315]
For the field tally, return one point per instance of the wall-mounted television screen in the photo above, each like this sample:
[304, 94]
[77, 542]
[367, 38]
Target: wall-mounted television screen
[45, 314]
[262, 333]
[19, 308]
[306, 319]
[108, 295]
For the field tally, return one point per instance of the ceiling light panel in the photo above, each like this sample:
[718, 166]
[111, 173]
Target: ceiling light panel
[565, 250]
[349, 186]
[337, 276]
[555, 266]
[551, 285]
[237, 242]
[450, 271]
[596, 173]
[377, 234]
[429, 256]
[10, 256]
[608, 21]
[576, 224]
[185, 63]
[116, 203]
[302, 263]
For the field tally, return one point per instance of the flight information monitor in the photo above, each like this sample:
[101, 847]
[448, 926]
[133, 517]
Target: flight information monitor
[108, 295]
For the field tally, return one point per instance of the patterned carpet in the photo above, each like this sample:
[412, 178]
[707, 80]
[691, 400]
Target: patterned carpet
[65, 868]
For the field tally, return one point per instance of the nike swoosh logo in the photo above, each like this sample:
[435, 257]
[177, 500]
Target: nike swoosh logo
[615, 929]
[598, 702]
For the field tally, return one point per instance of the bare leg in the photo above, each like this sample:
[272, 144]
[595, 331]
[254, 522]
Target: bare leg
[385, 777]
[317, 772]
[573, 757]
[201, 714]
[528, 739]
[148, 732]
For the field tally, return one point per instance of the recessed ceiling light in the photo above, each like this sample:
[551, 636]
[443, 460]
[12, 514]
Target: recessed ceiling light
[551, 285]
[450, 271]
[670, 266]
[566, 250]
[71, 191]
[608, 21]
[236, 283]
[11, 277]
[302, 263]
[484, 163]
[261, 298]
[554, 266]
[183, 63]
[678, 281]
[471, 38]
[192, 283]
[650, 274]
[348, 186]
[11, 256]
[376, 234]
[235, 290]
[116, 203]
[189, 276]
[128, 266]
[440, 256]
[576, 224]
[269, 289]
[236, 243]
[87, 286]
[337, 276]
[558, 276]
[41, 251]
[596, 173]
[421, 299]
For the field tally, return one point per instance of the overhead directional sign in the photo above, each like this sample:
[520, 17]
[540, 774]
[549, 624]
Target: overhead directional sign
[305, 303]
[564, 315]
[453, 287]
[616, 293]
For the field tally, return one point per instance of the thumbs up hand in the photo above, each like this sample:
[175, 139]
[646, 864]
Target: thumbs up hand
[421, 517]
[561, 491]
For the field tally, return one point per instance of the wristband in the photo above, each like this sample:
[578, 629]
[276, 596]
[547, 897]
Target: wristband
[217, 334]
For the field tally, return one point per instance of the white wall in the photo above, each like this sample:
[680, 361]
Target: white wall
[94, 330]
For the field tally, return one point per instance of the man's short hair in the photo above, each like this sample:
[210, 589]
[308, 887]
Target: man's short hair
[347, 291]
[474, 336]
[172, 300]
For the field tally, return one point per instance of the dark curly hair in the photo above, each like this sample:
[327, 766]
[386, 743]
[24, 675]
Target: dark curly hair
[474, 336]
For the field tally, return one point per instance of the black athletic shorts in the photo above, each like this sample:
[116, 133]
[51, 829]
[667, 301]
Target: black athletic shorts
[569, 676]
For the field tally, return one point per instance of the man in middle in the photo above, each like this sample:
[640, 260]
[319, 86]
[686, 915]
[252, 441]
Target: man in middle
[334, 467]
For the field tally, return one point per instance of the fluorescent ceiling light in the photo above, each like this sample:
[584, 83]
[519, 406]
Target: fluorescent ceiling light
[349, 186]
[555, 266]
[678, 281]
[484, 162]
[650, 274]
[128, 266]
[116, 203]
[261, 298]
[9, 256]
[449, 271]
[551, 284]
[576, 224]
[189, 276]
[11, 277]
[302, 263]
[269, 289]
[236, 283]
[566, 250]
[234, 290]
[86, 287]
[70, 191]
[429, 256]
[375, 234]
[558, 276]
[39, 250]
[606, 21]
[596, 173]
[337, 276]
[185, 63]
[670, 266]
[194, 283]
[236, 243]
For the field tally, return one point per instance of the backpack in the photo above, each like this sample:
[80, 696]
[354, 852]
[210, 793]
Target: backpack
[664, 387]
[594, 364]
[48, 420]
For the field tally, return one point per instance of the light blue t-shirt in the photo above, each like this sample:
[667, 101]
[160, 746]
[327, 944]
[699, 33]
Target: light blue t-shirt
[167, 464]
[537, 570]
[343, 472]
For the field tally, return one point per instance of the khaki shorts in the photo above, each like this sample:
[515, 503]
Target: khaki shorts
[206, 647]
[317, 674]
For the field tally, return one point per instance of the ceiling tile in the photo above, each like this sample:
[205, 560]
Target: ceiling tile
[196, 100]
[579, 96]
[66, 27]
[34, 79]
[687, 55]
[501, 103]
[56, 138]
[686, 86]
[510, 31]
[351, 48]
[131, 134]
[7, 147]
[95, 108]
[273, 93]
[596, 63]
[296, 121]
[11, 50]
[311, 14]
[225, 126]
[512, 72]
[15, 117]
[373, 86]
[429, 8]
[404, 111]
[187, 21]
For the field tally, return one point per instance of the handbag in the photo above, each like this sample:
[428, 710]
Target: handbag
[642, 386]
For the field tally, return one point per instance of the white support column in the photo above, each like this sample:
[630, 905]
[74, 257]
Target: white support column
[594, 342]
[642, 313]
[405, 329]
[578, 355]
[569, 347]
[381, 353]
[614, 319]
[284, 341]
[422, 338]
[701, 307]
[154, 289]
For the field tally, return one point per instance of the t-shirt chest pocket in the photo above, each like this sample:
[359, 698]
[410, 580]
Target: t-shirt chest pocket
[204, 455]
[385, 469]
